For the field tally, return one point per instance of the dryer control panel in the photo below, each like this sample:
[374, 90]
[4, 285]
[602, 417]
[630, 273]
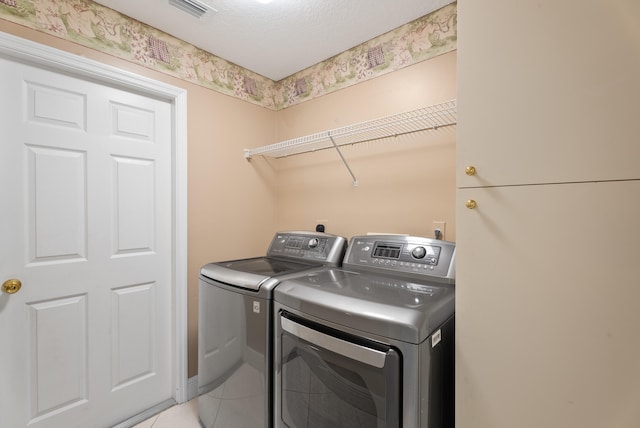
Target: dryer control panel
[400, 254]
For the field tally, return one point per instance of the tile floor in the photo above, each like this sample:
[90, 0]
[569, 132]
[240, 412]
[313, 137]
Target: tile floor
[179, 416]
[236, 403]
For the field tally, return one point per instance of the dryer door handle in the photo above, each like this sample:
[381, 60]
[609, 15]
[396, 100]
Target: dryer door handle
[351, 350]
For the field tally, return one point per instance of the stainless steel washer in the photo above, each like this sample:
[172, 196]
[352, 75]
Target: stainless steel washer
[235, 326]
[369, 344]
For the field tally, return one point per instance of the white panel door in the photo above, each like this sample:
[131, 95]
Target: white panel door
[85, 225]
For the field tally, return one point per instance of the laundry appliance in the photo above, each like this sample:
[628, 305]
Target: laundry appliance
[370, 344]
[235, 326]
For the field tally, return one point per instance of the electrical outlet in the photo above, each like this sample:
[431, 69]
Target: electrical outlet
[441, 226]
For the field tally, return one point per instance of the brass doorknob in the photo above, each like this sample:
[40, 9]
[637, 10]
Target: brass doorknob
[470, 170]
[11, 286]
[471, 204]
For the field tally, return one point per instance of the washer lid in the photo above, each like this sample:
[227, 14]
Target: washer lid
[376, 304]
[251, 273]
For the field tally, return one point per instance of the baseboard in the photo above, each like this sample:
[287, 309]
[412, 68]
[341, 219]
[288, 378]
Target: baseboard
[192, 388]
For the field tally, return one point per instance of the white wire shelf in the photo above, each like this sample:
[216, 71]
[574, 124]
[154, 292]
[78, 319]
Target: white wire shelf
[426, 118]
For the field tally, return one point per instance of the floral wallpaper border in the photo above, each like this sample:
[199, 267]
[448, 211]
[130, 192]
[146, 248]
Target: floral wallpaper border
[92, 25]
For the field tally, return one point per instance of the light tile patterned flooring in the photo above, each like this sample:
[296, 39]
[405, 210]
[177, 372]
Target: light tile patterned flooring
[234, 404]
[179, 416]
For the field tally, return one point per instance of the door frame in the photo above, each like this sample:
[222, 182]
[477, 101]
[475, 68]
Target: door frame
[39, 55]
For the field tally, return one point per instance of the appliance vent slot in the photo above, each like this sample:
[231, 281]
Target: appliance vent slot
[196, 8]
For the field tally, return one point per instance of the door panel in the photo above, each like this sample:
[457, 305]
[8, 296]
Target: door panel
[57, 187]
[130, 121]
[547, 305]
[134, 215]
[86, 172]
[55, 106]
[58, 334]
[541, 101]
[133, 334]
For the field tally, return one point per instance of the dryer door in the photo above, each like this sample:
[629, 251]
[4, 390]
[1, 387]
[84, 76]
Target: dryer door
[328, 378]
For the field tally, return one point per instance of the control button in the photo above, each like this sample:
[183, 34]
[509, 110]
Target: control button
[313, 242]
[367, 248]
[419, 252]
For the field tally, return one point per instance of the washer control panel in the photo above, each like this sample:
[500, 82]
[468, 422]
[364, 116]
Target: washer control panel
[403, 255]
[310, 246]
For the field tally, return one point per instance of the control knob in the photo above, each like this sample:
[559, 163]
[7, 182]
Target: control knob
[418, 252]
[313, 242]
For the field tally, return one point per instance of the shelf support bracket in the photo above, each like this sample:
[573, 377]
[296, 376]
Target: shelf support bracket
[355, 180]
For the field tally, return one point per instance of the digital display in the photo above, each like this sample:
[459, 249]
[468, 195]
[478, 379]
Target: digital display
[295, 242]
[387, 251]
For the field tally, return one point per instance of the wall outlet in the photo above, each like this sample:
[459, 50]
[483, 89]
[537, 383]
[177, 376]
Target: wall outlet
[441, 226]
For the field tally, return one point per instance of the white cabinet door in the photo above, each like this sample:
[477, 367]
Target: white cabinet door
[85, 225]
[548, 91]
[547, 311]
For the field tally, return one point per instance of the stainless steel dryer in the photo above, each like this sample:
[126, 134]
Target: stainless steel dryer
[369, 344]
[235, 326]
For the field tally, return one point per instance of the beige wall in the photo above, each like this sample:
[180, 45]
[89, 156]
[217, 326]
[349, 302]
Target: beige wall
[231, 205]
[235, 205]
[404, 183]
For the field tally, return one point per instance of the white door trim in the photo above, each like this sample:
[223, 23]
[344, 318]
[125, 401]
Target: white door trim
[47, 57]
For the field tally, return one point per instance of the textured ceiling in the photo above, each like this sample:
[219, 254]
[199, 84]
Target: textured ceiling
[283, 37]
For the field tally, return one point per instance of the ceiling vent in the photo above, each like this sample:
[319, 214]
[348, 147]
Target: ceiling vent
[197, 8]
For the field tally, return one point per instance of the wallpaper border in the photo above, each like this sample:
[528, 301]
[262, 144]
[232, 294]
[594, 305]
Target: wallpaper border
[98, 27]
